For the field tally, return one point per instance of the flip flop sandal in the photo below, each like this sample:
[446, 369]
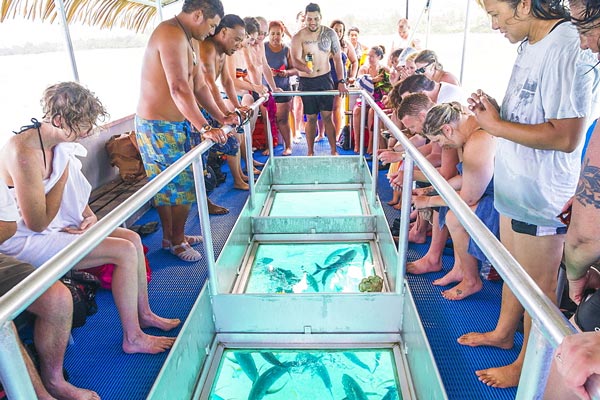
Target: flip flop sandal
[193, 240]
[188, 254]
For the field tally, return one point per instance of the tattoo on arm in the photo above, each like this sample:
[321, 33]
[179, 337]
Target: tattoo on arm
[588, 188]
[328, 41]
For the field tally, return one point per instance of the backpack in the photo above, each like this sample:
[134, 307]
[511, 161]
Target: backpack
[124, 154]
[83, 287]
[345, 140]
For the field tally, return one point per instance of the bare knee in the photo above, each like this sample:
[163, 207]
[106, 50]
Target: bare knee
[453, 223]
[54, 301]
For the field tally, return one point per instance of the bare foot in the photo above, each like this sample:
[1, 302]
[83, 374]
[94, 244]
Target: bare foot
[319, 138]
[154, 321]
[334, 153]
[241, 186]
[66, 391]
[148, 344]
[493, 339]
[501, 377]
[455, 275]
[265, 152]
[423, 266]
[416, 236]
[256, 171]
[287, 152]
[244, 178]
[392, 202]
[310, 154]
[462, 290]
[356, 150]
[397, 206]
[214, 209]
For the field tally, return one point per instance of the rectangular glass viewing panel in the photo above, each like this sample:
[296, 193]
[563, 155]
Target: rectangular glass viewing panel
[279, 374]
[316, 203]
[332, 267]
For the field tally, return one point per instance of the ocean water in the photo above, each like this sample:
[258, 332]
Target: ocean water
[310, 267]
[254, 374]
[316, 203]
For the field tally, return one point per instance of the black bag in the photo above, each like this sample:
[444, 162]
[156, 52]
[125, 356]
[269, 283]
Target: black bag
[83, 287]
[345, 140]
[396, 227]
[210, 179]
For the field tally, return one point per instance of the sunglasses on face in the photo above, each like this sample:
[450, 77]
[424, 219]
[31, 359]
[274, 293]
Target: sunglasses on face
[421, 71]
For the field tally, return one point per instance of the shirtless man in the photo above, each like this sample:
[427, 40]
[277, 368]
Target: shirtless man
[227, 39]
[172, 83]
[319, 42]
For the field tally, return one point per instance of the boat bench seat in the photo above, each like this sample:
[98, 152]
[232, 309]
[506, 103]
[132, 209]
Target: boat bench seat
[107, 197]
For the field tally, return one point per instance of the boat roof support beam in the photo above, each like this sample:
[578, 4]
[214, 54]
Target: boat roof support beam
[60, 5]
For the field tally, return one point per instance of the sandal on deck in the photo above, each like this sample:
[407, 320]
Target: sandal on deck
[192, 240]
[188, 254]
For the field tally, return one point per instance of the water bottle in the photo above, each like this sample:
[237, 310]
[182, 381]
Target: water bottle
[309, 61]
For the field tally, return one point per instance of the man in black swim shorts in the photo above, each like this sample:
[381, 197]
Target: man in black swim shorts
[311, 48]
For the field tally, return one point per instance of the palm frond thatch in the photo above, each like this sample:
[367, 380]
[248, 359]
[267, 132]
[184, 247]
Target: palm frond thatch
[127, 14]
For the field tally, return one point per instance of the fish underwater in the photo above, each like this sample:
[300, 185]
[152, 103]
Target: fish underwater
[330, 269]
[247, 364]
[352, 389]
[355, 360]
[261, 386]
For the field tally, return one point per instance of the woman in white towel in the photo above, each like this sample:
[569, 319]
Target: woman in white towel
[41, 167]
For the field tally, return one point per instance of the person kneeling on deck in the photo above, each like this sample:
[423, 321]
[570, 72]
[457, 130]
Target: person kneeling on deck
[172, 83]
[312, 47]
[53, 312]
[41, 166]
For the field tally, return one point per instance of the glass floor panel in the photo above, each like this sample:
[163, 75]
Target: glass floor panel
[310, 267]
[280, 374]
[316, 203]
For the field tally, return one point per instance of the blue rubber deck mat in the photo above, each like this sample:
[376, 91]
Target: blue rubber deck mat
[96, 361]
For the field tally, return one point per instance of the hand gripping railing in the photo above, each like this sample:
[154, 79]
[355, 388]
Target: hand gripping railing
[549, 326]
[13, 372]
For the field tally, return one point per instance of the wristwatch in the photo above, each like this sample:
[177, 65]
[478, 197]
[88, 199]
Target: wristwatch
[206, 128]
[341, 81]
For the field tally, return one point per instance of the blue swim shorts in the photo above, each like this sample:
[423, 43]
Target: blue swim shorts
[162, 143]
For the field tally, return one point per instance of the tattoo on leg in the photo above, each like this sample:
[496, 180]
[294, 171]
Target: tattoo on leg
[588, 188]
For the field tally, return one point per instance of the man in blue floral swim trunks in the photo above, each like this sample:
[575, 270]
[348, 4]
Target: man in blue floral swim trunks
[172, 83]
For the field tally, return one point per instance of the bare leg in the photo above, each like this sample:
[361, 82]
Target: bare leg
[418, 232]
[320, 129]
[311, 127]
[356, 128]
[470, 282]
[540, 257]
[337, 115]
[283, 124]
[329, 131]
[298, 117]
[54, 313]
[432, 260]
[123, 248]
[236, 172]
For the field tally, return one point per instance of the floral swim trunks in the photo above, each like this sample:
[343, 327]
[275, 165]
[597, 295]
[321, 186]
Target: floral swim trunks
[161, 143]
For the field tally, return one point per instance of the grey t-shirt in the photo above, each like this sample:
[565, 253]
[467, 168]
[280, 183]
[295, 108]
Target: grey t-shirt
[551, 79]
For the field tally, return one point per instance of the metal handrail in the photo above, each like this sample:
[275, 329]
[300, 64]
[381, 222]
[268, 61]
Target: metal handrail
[551, 323]
[13, 372]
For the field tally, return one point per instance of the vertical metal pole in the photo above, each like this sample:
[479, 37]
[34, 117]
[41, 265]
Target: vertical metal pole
[363, 121]
[269, 133]
[159, 10]
[60, 5]
[249, 161]
[13, 372]
[465, 36]
[404, 221]
[375, 163]
[407, 1]
[428, 7]
[198, 169]
[536, 366]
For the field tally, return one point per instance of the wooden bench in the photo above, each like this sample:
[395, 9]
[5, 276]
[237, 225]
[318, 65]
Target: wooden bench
[107, 197]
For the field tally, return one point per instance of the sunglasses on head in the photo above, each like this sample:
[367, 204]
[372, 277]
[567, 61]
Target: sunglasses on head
[421, 70]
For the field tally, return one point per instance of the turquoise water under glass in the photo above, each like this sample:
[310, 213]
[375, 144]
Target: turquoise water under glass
[314, 374]
[310, 267]
[317, 203]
